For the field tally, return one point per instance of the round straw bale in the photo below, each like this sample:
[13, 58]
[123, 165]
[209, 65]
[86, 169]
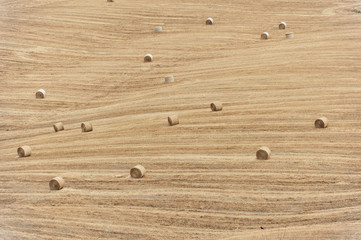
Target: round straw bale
[158, 29]
[138, 171]
[169, 79]
[289, 35]
[282, 25]
[148, 58]
[263, 153]
[58, 127]
[216, 106]
[24, 151]
[321, 122]
[40, 93]
[56, 183]
[209, 21]
[265, 35]
[86, 127]
[173, 120]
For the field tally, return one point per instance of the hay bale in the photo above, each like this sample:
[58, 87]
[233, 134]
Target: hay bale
[40, 93]
[209, 21]
[24, 151]
[58, 127]
[216, 106]
[265, 35]
[56, 183]
[137, 172]
[282, 25]
[321, 122]
[263, 153]
[173, 120]
[169, 79]
[109, 0]
[86, 127]
[158, 29]
[148, 58]
[289, 35]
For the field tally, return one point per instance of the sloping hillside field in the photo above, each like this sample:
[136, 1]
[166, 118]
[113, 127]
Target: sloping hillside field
[202, 180]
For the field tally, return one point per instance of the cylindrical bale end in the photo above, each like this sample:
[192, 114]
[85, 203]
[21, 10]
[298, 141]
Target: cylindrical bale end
[173, 120]
[56, 183]
[58, 127]
[321, 122]
[137, 172]
[263, 153]
[289, 35]
[148, 58]
[158, 29]
[24, 151]
[86, 127]
[169, 79]
[40, 93]
[265, 35]
[216, 106]
[209, 21]
[282, 25]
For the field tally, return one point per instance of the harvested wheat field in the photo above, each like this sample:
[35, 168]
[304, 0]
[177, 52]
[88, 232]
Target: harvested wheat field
[201, 178]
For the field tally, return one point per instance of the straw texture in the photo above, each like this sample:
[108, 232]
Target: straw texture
[56, 183]
[137, 172]
[216, 106]
[321, 122]
[40, 93]
[265, 35]
[58, 127]
[173, 120]
[209, 21]
[24, 151]
[282, 25]
[169, 79]
[86, 127]
[148, 58]
[263, 153]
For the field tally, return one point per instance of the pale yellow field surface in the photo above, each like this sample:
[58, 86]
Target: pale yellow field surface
[202, 178]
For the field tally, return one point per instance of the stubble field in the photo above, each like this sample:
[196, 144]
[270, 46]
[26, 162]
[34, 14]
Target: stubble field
[203, 180]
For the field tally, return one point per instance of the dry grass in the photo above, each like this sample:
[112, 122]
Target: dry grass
[203, 180]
